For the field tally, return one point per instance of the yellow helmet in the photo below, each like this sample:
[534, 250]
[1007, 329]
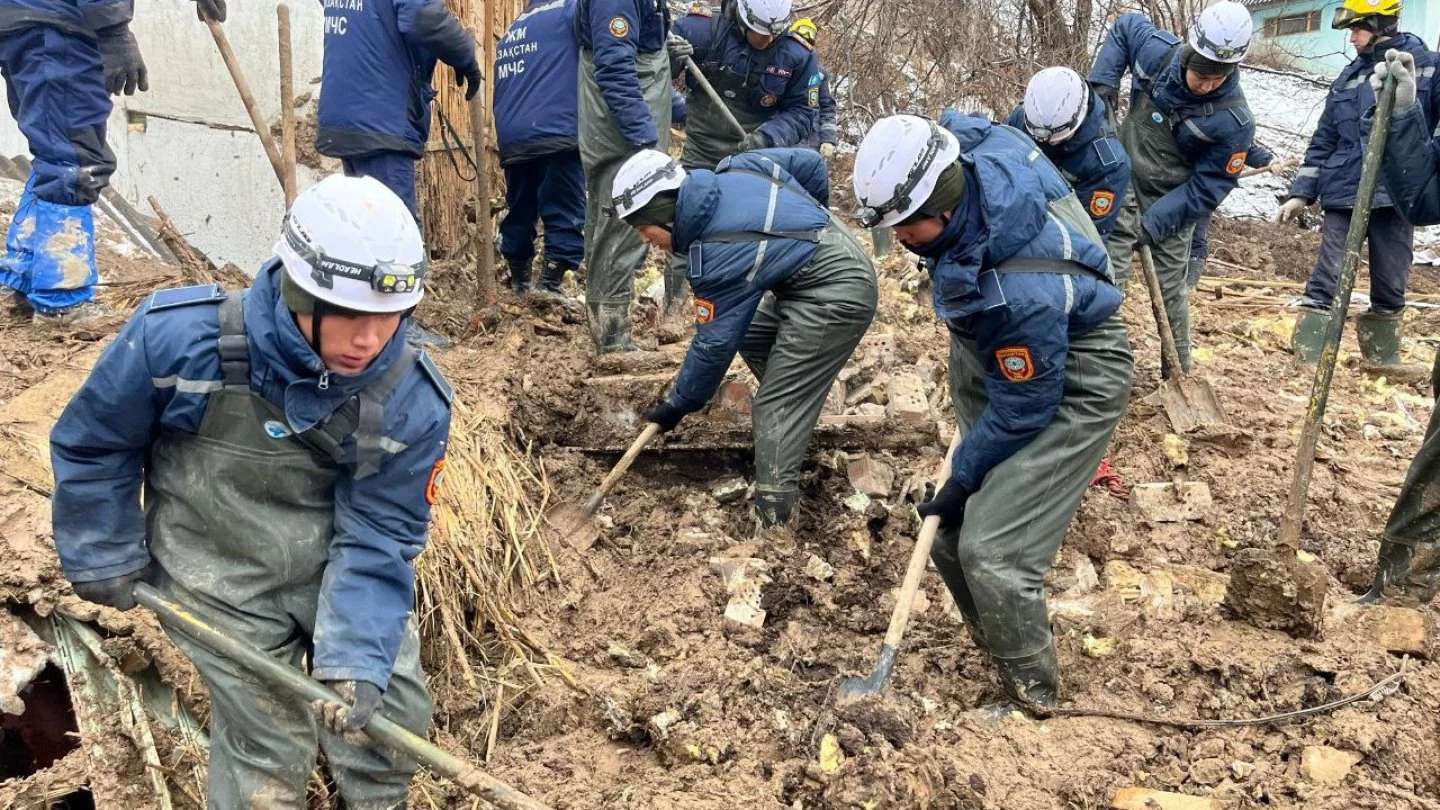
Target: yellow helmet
[1353, 12]
[805, 29]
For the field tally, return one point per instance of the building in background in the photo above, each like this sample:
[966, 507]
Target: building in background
[1298, 31]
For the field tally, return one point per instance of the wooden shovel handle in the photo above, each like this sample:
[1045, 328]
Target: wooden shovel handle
[1162, 320]
[919, 556]
[620, 467]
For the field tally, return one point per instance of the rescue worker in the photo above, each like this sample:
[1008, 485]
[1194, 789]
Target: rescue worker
[61, 61]
[1039, 363]
[288, 441]
[1410, 167]
[536, 67]
[677, 108]
[1330, 173]
[1258, 157]
[1187, 134]
[624, 108]
[757, 224]
[1071, 124]
[375, 99]
[770, 83]
[826, 135]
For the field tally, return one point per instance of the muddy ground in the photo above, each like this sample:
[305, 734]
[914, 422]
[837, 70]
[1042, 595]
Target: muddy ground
[674, 707]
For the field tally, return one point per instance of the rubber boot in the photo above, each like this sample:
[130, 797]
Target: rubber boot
[1193, 272]
[1308, 339]
[1031, 680]
[773, 509]
[519, 276]
[610, 328]
[552, 277]
[1390, 569]
[1379, 337]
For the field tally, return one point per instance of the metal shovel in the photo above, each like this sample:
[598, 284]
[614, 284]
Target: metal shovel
[715, 99]
[853, 689]
[1187, 401]
[381, 729]
[572, 521]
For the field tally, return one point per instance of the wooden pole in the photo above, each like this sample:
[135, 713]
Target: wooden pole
[287, 103]
[262, 130]
[479, 146]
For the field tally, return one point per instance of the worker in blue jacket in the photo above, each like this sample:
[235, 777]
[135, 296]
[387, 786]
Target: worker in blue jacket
[1187, 134]
[536, 66]
[1039, 363]
[375, 99]
[677, 108]
[757, 224]
[769, 82]
[1071, 124]
[826, 135]
[1258, 157]
[1331, 173]
[288, 442]
[624, 108]
[61, 60]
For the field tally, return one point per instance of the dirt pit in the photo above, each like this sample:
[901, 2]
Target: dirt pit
[654, 699]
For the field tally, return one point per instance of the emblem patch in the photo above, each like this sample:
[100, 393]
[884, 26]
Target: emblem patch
[812, 96]
[432, 487]
[1101, 202]
[1237, 162]
[1015, 363]
[1157, 118]
[276, 430]
[776, 70]
[704, 311]
[619, 27]
[767, 100]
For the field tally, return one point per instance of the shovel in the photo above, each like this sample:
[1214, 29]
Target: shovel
[572, 521]
[715, 99]
[381, 729]
[1188, 401]
[854, 689]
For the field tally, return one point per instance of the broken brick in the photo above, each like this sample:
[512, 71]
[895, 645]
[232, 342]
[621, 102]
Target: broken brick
[734, 397]
[1134, 798]
[1395, 629]
[1171, 503]
[871, 476]
[1326, 765]
[905, 399]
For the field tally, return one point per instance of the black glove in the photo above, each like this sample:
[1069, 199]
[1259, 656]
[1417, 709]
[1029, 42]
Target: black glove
[361, 699]
[124, 69]
[665, 415]
[679, 47]
[210, 10]
[948, 503]
[470, 73]
[755, 140]
[117, 592]
[1144, 238]
[1110, 95]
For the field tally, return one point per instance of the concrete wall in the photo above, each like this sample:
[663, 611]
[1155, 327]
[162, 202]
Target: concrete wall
[1324, 51]
[188, 140]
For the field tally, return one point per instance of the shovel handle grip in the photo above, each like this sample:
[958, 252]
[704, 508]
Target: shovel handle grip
[709, 91]
[1162, 319]
[919, 556]
[621, 466]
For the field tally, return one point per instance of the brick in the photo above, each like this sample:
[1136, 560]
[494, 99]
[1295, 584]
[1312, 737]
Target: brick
[1171, 503]
[1326, 765]
[871, 476]
[734, 397]
[1134, 798]
[905, 399]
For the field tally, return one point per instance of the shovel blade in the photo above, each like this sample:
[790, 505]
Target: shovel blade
[856, 689]
[572, 525]
[1190, 402]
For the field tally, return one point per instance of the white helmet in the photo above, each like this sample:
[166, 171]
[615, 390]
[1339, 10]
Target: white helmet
[897, 166]
[768, 17]
[647, 173]
[350, 242]
[1056, 103]
[1222, 32]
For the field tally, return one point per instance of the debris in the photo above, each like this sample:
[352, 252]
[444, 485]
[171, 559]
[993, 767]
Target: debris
[1171, 502]
[743, 577]
[1099, 647]
[1276, 590]
[1326, 765]
[734, 398]
[730, 490]
[1086, 578]
[22, 656]
[830, 755]
[1211, 771]
[1134, 798]
[857, 502]
[626, 657]
[659, 726]
[816, 568]
[905, 399]
[871, 476]
[1396, 629]
[1176, 449]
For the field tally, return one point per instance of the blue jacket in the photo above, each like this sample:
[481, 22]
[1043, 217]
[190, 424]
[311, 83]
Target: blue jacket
[725, 277]
[1331, 169]
[1411, 166]
[1215, 141]
[1022, 322]
[782, 81]
[677, 107]
[536, 68]
[79, 17]
[1093, 161]
[615, 31]
[1259, 156]
[99, 446]
[379, 56]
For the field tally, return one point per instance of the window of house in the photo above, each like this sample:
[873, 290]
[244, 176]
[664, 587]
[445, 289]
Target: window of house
[1288, 24]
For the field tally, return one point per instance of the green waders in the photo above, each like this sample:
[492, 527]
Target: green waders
[800, 339]
[613, 250]
[1414, 522]
[240, 517]
[1157, 167]
[995, 564]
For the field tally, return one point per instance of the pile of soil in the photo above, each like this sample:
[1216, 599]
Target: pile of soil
[674, 706]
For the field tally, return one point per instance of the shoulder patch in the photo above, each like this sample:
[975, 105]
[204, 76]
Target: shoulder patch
[1101, 203]
[1236, 163]
[185, 296]
[618, 27]
[700, 10]
[812, 97]
[1015, 363]
[704, 311]
[432, 487]
[437, 379]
